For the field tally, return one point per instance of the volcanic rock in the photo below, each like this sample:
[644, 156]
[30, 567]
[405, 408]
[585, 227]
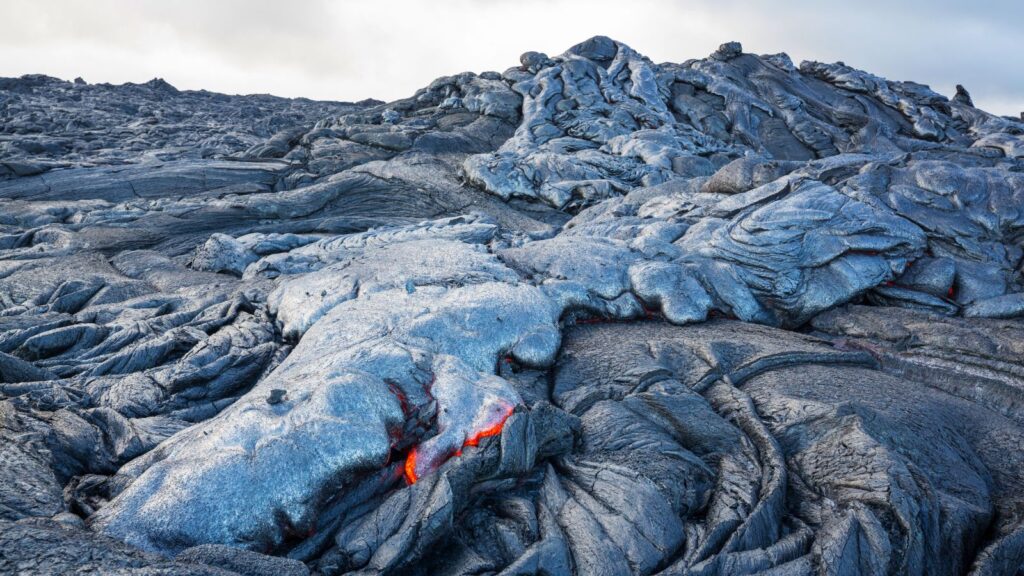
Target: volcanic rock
[591, 315]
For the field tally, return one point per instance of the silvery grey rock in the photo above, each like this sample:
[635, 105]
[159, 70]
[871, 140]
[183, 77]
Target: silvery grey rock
[42, 546]
[591, 315]
[49, 122]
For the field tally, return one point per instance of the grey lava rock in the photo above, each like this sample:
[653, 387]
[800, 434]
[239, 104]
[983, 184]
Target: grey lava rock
[591, 315]
[242, 562]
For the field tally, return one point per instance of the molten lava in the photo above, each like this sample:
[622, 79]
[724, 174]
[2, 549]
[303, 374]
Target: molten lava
[489, 431]
[474, 440]
[410, 467]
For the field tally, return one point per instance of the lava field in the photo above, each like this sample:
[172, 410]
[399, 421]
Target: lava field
[591, 315]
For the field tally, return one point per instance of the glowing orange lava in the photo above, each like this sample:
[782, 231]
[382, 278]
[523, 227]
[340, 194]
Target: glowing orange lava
[474, 440]
[487, 432]
[410, 467]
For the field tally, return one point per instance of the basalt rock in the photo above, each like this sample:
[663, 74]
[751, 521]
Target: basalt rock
[591, 315]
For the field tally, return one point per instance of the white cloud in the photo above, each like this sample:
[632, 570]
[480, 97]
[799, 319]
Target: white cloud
[353, 49]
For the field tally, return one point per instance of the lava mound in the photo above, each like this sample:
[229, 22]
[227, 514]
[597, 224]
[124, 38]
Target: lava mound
[589, 316]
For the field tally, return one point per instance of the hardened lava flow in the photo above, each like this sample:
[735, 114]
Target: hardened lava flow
[588, 316]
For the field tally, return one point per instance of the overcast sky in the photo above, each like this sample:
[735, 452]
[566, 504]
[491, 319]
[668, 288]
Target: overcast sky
[386, 49]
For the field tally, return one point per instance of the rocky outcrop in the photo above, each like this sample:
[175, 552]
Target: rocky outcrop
[50, 123]
[592, 315]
